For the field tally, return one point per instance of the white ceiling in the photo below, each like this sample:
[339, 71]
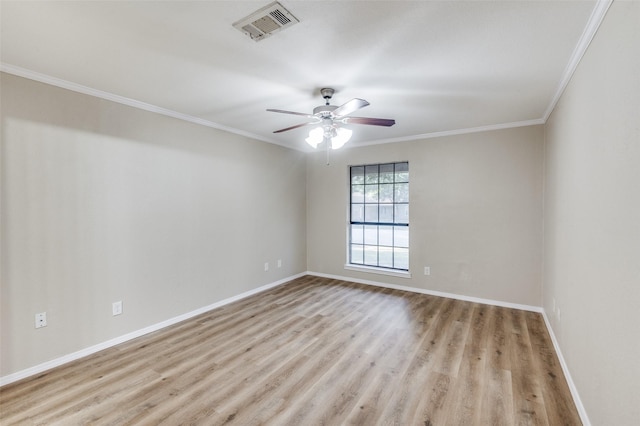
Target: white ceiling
[436, 67]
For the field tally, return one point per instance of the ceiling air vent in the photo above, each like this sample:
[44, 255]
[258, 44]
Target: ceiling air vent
[266, 21]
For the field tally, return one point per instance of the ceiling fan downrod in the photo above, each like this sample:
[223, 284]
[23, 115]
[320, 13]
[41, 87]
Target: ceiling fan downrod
[327, 94]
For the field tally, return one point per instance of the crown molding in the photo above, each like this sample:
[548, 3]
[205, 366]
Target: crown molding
[596, 18]
[488, 128]
[64, 84]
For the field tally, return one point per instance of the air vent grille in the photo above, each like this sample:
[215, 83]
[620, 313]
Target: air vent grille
[266, 21]
[280, 17]
[266, 24]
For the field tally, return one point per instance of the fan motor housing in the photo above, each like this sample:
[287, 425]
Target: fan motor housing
[324, 110]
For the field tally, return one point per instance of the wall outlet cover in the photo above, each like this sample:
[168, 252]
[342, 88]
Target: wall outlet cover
[41, 320]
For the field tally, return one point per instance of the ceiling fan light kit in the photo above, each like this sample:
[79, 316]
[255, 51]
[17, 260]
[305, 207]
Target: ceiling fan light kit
[316, 136]
[329, 119]
[342, 136]
[338, 136]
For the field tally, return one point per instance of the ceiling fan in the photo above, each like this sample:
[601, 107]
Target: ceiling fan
[330, 118]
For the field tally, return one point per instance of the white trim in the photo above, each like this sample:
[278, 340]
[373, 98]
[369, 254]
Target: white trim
[488, 128]
[65, 84]
[565, 369]
[138, 333]
[597, 15]
[379, 271]
[432, 292]
[113, 342]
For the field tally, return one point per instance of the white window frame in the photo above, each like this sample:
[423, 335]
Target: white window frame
[393, 222]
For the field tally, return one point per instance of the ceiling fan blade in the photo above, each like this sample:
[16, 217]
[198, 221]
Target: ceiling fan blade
[293, 127]
[349, 107]
[291, 112]
[388, 122]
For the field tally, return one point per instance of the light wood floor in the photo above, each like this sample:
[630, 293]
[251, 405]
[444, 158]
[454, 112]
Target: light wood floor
[315, 352]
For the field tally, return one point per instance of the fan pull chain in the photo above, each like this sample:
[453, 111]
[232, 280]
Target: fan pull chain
[327, 145]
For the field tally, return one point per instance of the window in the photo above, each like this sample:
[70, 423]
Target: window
[379, 223]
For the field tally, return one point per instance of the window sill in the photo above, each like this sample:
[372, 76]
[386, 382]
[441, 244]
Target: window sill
[380, 271]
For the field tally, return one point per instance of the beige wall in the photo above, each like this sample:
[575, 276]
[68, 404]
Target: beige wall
[102, 202]
[475, 216]
[592, 221]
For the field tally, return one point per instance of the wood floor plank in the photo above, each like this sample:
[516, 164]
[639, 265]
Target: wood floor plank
[555, 390]
[529, 406]
[314, 351]
[497, 404]
[471, 382]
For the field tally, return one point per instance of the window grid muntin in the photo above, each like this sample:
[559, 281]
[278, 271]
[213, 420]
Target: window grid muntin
[362, 179]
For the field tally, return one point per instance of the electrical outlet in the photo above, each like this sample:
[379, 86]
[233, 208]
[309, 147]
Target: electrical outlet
[266, 266]
[116, 307]
[41, 320]
[427, 270]
[279, 263]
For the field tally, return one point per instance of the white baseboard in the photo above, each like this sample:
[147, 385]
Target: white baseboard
[432, 292]
[129, 336]
[572, 387]
[116, 341]
[574, 391]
